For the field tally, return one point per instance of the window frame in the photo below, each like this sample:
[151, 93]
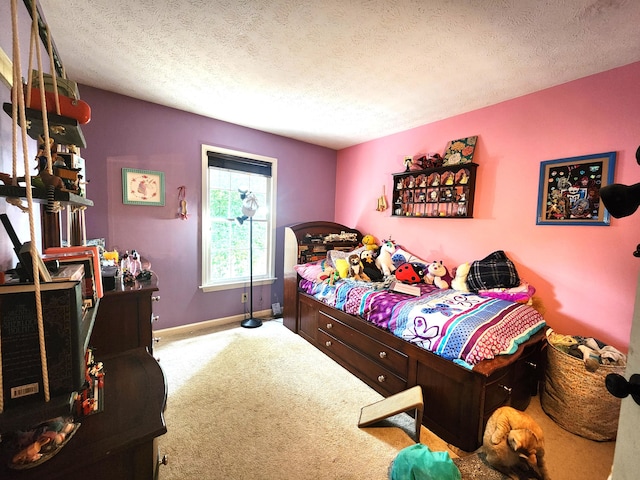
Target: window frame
[205, 225]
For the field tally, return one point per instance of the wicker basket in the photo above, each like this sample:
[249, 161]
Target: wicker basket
[577, 399]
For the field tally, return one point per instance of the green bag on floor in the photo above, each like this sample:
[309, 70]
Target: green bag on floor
[417, 462]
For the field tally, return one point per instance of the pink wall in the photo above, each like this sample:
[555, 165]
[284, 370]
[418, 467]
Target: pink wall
[585, 276]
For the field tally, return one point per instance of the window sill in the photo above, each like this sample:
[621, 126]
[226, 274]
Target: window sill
[235, 285]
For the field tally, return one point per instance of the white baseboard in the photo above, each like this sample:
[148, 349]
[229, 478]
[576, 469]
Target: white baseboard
[210, 324]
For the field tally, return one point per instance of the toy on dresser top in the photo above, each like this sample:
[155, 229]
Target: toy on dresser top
[133, 267]
[41, 442]
[341, 237]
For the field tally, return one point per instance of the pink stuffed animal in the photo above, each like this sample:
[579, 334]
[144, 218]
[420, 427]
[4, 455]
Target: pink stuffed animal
[437, 274]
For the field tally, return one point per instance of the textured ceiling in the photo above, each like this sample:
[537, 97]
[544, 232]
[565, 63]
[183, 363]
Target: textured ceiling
[338, 72]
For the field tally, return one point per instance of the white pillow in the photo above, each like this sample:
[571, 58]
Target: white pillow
[401, 256]
[333, 255]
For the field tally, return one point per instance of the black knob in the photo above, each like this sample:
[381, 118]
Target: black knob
[620, 388]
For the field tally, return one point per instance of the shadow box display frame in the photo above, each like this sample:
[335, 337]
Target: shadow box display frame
[440, 192]
[569, 190]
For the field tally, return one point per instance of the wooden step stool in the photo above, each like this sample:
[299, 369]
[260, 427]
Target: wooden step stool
[399, 403]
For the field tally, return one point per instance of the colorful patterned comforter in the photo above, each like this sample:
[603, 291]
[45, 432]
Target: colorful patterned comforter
[465, 328]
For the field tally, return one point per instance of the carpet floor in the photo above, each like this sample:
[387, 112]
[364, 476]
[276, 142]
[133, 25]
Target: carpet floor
[264, 404]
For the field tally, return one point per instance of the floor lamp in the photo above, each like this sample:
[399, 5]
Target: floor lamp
[249, 207]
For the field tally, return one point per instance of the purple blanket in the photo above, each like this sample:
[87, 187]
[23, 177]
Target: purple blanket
[463, 327]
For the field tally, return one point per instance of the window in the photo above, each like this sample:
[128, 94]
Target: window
[225, 239]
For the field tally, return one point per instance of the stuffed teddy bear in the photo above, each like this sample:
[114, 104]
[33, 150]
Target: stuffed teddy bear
[438, 275]
[459, 281]
[410, 273]
[369, 242]
[356, 269]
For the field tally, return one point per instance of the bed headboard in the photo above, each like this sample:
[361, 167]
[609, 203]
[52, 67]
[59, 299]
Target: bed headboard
[320, 227]
[293, 235]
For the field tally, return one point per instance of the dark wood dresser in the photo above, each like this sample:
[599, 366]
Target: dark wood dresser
[118, 443]
[121, 441]
[125, 317]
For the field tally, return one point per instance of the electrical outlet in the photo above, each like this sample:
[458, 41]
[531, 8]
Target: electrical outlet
[243, 298]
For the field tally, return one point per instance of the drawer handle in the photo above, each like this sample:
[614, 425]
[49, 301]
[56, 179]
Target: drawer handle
[383, 354]
[329, 325]
[532, 365]
[328, 343]
[506, 389]
[382, 378]
[155, 298]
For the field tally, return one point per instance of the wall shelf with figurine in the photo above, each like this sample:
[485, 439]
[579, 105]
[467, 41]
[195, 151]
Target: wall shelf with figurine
[441, 192]
[40, 195]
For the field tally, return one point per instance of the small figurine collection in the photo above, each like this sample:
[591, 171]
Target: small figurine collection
[129, 266]
[444, 192]
[65, 175]
[37, 444]
[340, 237]
[58, 163]
[89, 400]
[41, 442]
[437, 186]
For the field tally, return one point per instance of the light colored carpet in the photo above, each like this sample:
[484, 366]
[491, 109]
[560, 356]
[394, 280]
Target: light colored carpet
[264, 404]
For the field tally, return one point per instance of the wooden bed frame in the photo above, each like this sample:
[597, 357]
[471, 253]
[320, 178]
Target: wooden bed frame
[457, 401]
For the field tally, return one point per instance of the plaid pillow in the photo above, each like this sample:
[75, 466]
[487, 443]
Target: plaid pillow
[494, 271]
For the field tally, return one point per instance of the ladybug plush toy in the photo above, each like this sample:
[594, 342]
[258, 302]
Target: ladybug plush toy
[410, 272]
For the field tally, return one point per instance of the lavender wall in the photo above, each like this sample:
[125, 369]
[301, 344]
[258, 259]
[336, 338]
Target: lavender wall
[585, 276]
[129, 133]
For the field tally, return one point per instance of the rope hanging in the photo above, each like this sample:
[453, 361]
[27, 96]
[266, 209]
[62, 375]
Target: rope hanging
[34, 253]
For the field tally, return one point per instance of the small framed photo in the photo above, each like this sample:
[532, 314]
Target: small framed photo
[569, 190]
[142, 187]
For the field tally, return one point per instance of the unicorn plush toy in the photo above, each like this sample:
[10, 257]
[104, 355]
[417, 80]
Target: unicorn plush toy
[384, 260]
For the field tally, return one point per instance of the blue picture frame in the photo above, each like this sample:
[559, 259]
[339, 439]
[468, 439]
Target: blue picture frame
[569, 190]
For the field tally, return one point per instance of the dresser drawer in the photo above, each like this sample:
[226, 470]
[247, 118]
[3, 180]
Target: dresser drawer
[515, 384]
[376, 375]
[382, 354]
[498, 392]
